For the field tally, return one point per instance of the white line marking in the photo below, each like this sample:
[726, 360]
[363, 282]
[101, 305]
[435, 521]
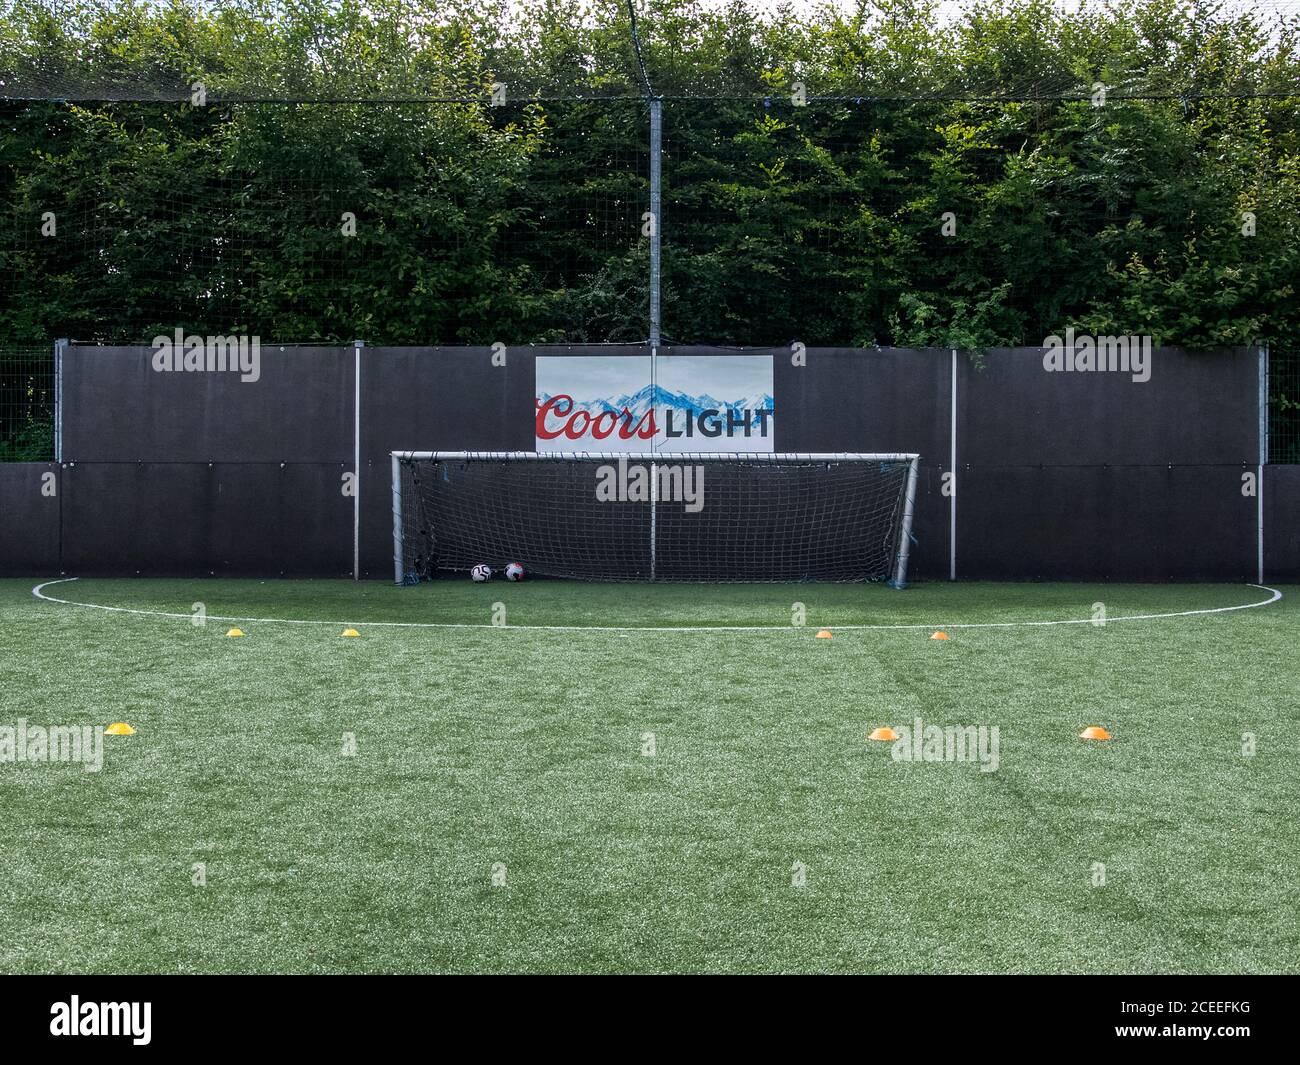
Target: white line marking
[38, 591]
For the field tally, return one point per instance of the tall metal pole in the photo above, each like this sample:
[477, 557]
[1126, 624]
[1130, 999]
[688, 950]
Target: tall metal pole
[656, 204]
[1263, 461]
[952, 471]
[357, 345]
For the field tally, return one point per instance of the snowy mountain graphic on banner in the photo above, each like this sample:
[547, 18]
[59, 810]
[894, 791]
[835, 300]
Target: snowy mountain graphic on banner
[698, 403]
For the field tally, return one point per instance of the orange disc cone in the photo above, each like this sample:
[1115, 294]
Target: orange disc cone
[235, 632]
[939, 636]
[119, 728]
[885, 734]
[1094, 732]
[825, 634]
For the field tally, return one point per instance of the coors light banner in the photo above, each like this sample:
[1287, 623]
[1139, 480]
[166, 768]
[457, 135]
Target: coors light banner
[696, 403]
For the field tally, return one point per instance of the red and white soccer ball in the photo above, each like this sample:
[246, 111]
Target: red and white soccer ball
[480, 573]
[514, 572]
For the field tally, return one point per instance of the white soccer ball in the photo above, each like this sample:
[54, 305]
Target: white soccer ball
[480, 572]
[514, 572]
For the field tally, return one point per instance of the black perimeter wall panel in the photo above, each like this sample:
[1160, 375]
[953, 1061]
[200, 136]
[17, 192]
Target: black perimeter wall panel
[1093, 476]
[223, 519]
[29, 519]
[201, 473]
[1282, 523]
[1197, 409]
[117, 408]
[1105, 523]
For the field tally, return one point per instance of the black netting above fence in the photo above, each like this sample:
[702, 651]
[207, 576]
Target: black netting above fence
[1284, 404]
[452, 223]
[26, 403]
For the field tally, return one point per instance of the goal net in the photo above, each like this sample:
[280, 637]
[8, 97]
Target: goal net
[667, 517]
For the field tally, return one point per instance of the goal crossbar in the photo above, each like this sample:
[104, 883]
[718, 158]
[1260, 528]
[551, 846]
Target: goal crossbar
[898, 577]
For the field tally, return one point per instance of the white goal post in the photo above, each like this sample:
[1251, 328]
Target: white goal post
[777, 516]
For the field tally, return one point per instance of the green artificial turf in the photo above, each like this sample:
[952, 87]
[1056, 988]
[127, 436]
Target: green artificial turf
[521, 749]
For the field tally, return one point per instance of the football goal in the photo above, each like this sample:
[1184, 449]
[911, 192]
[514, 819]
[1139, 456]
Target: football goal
[655, 517]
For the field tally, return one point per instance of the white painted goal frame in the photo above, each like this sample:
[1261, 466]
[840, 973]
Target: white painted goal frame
[653, 458]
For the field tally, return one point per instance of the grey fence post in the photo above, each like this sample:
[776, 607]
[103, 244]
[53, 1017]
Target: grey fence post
[60, 346]
[952, 471]
[1263, 461]
[357, 345]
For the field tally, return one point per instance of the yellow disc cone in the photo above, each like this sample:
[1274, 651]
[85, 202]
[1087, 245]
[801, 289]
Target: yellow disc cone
[1094, 732]
[119, 728]
[825, 634]
[939, 635]
[235, 632]
[351, 632]
[884, 734]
